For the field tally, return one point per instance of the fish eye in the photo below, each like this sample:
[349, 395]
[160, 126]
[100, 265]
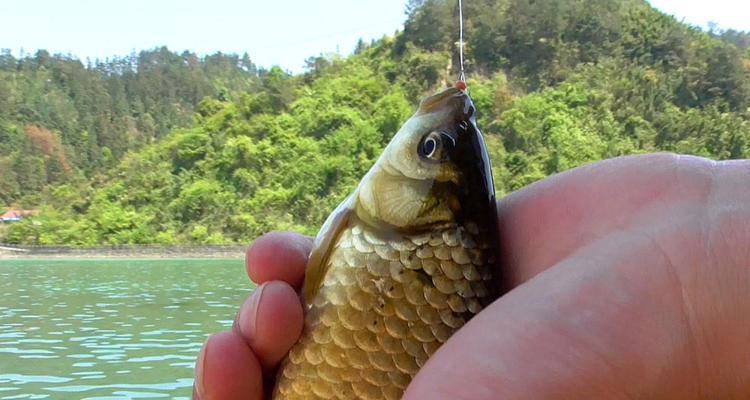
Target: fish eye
[431, 147]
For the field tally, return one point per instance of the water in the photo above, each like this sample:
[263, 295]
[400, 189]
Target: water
[111, 329]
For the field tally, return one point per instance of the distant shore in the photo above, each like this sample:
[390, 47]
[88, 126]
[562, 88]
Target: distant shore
[115, 252]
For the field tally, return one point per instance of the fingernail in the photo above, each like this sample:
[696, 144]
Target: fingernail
[198, 386]
[249, 313]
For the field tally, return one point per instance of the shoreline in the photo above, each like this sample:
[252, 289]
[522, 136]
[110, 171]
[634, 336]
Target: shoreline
[12, 252]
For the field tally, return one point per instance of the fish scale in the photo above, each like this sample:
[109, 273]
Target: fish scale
[367, 341]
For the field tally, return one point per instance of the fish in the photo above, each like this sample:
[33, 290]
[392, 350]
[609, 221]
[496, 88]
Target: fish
[402, 263]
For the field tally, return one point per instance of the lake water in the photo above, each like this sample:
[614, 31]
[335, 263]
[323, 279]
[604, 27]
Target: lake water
[112, 329]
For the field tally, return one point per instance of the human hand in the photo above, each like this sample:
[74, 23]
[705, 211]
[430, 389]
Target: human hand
[237, 364]
[630, 279]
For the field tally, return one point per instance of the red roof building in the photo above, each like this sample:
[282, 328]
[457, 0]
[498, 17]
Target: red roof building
[17, 215]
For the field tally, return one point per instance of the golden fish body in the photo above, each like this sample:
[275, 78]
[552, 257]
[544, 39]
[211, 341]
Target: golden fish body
[385, 306]
[389, 283]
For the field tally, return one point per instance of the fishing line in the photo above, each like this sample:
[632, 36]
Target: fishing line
[461, 75]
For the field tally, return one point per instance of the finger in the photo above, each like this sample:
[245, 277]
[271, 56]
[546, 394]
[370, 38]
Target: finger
[227, 369]
[547, 221]
[577, 331]
[278, 256]
[270, 321]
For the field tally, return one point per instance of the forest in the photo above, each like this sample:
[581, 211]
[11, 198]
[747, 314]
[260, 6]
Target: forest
[167, 148]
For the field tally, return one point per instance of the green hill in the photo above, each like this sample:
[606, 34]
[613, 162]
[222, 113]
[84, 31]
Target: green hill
[61, 121]
[557, 85]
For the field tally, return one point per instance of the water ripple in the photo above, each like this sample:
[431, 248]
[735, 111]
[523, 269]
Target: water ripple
[112, 329]
[18, 378]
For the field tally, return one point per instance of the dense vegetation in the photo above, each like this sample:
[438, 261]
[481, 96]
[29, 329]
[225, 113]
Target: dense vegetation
[62, 121]
[557, 84]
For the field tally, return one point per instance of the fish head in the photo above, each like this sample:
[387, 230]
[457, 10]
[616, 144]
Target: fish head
[434, 172]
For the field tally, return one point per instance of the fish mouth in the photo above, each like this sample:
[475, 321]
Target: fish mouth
[452, 98]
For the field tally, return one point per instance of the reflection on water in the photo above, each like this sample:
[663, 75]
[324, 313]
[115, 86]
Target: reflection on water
[110, 329]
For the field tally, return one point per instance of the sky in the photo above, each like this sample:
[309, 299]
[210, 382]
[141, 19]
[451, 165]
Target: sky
[272, 32]
[727, 14]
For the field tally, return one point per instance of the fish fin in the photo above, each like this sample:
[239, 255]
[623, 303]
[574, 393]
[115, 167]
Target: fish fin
[317, 263]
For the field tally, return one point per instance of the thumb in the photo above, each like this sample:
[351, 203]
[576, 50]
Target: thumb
[605, 323]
